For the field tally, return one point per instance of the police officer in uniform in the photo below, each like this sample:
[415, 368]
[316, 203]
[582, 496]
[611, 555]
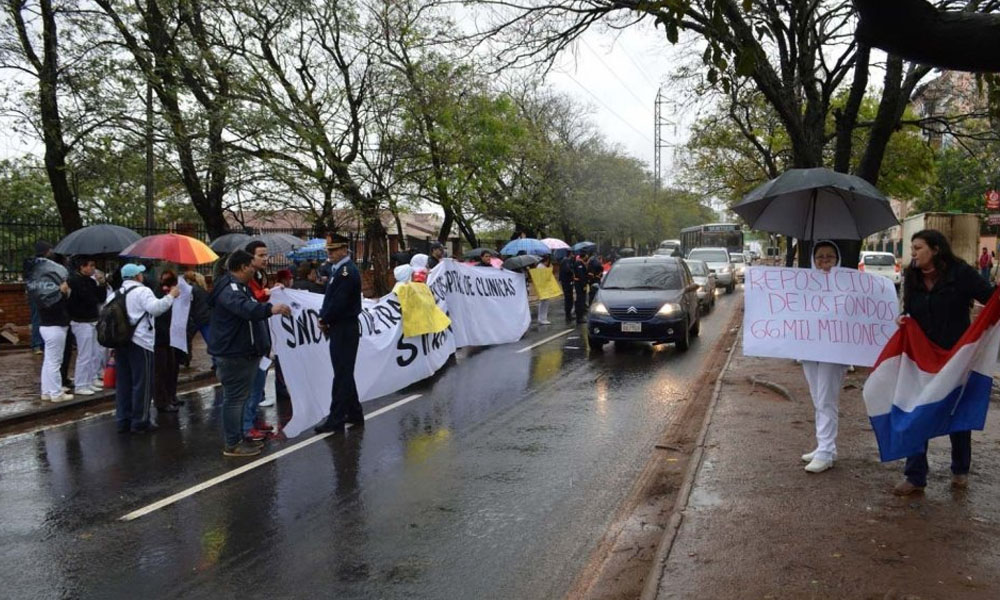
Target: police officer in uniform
[339, 316]
[580, 277]
[566, 280]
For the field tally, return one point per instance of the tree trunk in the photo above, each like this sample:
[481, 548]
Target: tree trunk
[47, 70]
[919, 32]
[377, 245]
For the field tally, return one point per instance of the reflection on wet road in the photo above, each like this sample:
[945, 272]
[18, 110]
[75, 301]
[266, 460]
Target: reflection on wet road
[497, 481]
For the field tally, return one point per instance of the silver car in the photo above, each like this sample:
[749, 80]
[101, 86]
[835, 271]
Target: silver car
[705, 278]
[719, 263]
[739, 261]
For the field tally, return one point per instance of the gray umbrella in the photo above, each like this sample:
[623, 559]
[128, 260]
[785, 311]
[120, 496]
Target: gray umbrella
[229, 242]
[96, 240]
[519, 262]
[280, 243]
[816, 204]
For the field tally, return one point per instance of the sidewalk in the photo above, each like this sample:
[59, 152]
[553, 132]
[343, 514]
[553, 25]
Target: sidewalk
[19, 379]
[756, 525]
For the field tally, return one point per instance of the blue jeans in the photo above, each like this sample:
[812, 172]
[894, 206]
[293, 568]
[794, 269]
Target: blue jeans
[236, 374]
[916, 468]
[256, 397]
[36, 322]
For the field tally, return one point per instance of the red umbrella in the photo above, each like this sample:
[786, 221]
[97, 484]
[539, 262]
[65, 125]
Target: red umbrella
[172, 247]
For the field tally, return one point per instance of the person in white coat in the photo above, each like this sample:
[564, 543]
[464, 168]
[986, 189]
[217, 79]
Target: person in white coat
[825, 380]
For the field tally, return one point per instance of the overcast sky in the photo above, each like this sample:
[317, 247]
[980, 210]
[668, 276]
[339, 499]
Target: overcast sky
[615, 73]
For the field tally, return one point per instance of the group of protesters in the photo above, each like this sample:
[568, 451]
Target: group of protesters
[232, 319]
[938, 292]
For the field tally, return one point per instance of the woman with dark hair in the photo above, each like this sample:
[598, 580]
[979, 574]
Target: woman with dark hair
[938, 290]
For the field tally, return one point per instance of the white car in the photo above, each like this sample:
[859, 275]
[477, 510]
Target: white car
[881, 263]
[739, 261]
[719, 263]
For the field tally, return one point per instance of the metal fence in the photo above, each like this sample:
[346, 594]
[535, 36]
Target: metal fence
[18, 238]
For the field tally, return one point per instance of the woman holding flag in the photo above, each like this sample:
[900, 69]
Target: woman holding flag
[938, 290]
[825, 380]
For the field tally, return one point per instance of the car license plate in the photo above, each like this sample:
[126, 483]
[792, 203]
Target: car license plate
[631, 327]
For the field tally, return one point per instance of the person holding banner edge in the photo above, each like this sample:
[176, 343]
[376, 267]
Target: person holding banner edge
[339, 317]
[825, 380]
[938, 290]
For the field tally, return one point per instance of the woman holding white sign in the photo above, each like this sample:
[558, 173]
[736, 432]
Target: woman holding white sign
[825, 380]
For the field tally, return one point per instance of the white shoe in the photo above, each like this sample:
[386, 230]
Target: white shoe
[267, 402]
[808, 456]
[97, 385]
[65, 389]
[84, 391]
[63, 397]
[46, 397]
[818, 466]
[545, 322]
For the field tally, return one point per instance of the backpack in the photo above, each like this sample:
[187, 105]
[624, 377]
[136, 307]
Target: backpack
[114, 330]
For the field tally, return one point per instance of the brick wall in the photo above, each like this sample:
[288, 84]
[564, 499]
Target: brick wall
[14, 303]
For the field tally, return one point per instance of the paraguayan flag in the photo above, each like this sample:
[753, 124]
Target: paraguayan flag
[918, 391]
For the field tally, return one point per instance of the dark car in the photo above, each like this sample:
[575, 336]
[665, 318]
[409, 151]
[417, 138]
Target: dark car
[650, 299]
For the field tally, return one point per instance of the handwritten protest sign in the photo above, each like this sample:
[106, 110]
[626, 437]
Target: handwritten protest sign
[844, 316]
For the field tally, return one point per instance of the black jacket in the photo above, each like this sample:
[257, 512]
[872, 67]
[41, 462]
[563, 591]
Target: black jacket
[85, 299]
[239, 322]
[566, 269]
[342, 300]
[200, 313]
[55, 315]
[309, 286]
[943, 312]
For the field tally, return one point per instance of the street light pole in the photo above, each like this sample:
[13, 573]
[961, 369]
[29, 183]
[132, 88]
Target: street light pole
[149, 157]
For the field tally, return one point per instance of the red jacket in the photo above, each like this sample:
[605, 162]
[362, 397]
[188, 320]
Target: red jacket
[257, 284]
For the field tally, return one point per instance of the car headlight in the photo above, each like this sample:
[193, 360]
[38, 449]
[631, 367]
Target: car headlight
[668, 309]
[598, 308]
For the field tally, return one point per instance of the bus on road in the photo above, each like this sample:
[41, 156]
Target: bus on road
[714, 235]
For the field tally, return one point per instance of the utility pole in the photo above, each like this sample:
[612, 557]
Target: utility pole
[658, 144]
[149, 158]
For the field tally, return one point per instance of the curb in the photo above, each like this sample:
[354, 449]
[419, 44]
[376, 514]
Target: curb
[84, 402]
[652, 586]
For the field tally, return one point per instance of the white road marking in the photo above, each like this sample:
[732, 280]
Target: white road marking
[249, 466]
[571, 347]
[545, 341]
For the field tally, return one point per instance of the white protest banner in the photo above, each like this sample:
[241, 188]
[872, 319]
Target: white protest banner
[179, 316]
[387, 362]
[844, 316]
[486, 305]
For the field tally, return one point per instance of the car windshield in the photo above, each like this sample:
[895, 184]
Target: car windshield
[736, 258]
[697, 267]
[707, 255]
[643, 276]
[880, 260]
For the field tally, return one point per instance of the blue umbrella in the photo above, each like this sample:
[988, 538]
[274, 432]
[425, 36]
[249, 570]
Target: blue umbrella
[526, 245]
[583, 246]
[315, 249]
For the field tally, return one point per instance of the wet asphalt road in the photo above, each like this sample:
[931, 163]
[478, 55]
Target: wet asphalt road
[498, 482]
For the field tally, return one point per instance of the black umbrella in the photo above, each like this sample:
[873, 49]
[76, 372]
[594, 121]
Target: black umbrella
[519, 262]
[815, 204]
[477, 252]
[228, 243]
[280, 243]
[95, 240]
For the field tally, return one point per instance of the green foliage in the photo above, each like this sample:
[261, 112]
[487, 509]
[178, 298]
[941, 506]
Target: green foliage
[25, 193]
[962, 180]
